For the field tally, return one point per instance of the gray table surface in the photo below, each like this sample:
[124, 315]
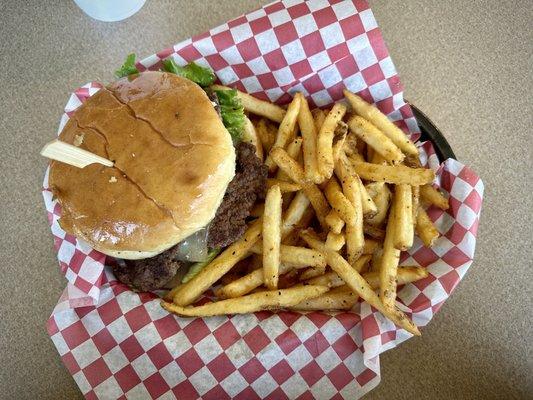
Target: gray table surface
[467, 64]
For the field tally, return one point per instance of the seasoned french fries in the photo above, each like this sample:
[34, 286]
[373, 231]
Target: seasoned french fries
[292, 217]
[295, 255]
[250, 136]
[294, 149]
[339, 138]
[343, 298]
[334, 222]
[187, 293]
[309, 135]
[335, 241]
[381, 122]
[272, 237]
[405, 274]
[284, 186]
[265, 134]
[318, 117]
[381, 195]
[416, 202]
[296, 173]
[339, 202]
[425, 228]
[258, 107]
[389, 261]
[394, 174]
[369, 206]
[286, 129]
[267, 300]
[325, 140]
[432, 196]
[373, 137]
[404, 227]
[358, 179]
[357, 283]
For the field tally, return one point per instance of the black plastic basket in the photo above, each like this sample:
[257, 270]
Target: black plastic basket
[431, 132]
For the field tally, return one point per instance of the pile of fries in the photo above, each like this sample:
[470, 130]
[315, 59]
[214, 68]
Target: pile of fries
[346, 194]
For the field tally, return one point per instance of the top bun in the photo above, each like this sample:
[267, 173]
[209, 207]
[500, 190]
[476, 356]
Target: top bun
[173, 162]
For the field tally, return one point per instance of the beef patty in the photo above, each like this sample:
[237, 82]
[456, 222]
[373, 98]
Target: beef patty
[229, 224]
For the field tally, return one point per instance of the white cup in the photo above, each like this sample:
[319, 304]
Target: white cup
[110, 10]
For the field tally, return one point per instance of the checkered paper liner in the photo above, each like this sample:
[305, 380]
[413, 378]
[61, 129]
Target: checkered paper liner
[121, 344]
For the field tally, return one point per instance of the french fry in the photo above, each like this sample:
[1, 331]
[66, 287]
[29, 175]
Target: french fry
[381, 122]
[425, 228]
[286, 129]
[393, 174]
[381, 195]
[356, 282]
[284, 186]
[403, 227]
[296, 256]
[258, 107]
[432, 196]
[312, 272]
[250, 136]
[404, 275]
[339, 202]
[318, 117]
[334, 222]
[354, 232]
[267, 300]
[266, 136]
[325, 140]
[228, 278]
[296, 173]
[345, 172]
[187, 293]
[309, 135]
[369, 206]
[389, 260]
[293, 150]
[375, 139]
[335, 241]
[375, 263]
[247, 283]
[272, 237]
[377, 159]
[295, 212]
[338, 300]
[338, 139]
[356, 157]
[350, 144]
[361, 262]
[415, 201]
[329, 279]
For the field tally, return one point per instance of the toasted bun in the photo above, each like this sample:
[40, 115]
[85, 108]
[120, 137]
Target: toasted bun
[173, 162]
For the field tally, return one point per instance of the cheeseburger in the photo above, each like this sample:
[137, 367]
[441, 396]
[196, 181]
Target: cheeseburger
[182, 184]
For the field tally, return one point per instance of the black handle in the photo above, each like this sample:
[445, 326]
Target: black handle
[431, 132]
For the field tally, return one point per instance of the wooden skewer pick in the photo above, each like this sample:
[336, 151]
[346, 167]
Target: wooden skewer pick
[72, 155]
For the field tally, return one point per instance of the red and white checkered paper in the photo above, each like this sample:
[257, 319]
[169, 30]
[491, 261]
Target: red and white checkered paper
[121, 344]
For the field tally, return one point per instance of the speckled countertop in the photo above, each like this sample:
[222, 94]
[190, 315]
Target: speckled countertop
[466, 64]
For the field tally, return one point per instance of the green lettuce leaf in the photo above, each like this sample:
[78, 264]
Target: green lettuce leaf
[194, 72]
[128, 68]
[197, 267]
[232, 112]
